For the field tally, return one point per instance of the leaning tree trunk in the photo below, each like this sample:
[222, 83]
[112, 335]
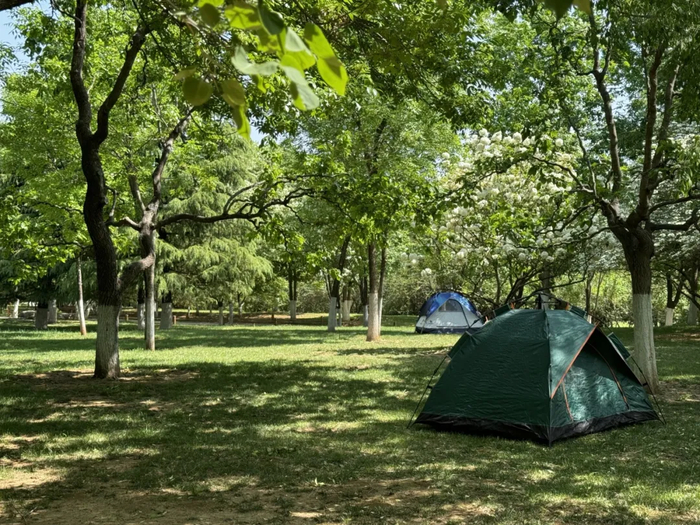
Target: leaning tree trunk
[166, 312]
[638, 259]
[53, 311]
[373, 321]
[41, 316]
[81, 302]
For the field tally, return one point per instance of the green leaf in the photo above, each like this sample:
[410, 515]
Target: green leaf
[196, 90]
[241, 62]
[268, 44]
[333, 72]
[304, 97]
[233, 92]
[215, 3]
[210, 15]
[292, 42]
[259, 83]
[317, 42]
[293, 73]
[243, 16]
[271, 21]
[242, 122]
[182, 75]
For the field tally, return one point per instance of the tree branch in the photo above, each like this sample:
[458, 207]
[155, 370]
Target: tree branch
[132, 52]
[692, 221]
[9, 4]
[82, 99]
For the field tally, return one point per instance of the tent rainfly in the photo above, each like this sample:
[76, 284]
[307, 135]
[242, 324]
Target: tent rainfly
[538, 374]
[448, 312]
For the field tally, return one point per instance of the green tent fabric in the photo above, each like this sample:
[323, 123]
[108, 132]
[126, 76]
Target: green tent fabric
[540, 374]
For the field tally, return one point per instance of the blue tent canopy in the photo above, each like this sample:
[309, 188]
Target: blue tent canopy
[448, 312]
[435, 301]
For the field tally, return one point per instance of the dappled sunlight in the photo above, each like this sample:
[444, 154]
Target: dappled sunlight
[308, 432]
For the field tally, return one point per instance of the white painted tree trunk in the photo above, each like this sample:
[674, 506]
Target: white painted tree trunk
[150, 322]
[669, 316]
[166, 316]
[230, 313]
[81, 305]
[373, 322]
[221, 314]
[365, 316]
[41, 318]
[107, 356]
[644, 351]
[692, 314]
[345, 308]
[332, 314]
[53, 312]
[293, 310]
[141, 316]
[14, 314]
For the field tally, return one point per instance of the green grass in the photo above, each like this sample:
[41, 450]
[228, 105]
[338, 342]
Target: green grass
[290, 424]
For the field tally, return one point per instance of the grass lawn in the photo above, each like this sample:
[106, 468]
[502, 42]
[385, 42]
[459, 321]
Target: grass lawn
[290, 424]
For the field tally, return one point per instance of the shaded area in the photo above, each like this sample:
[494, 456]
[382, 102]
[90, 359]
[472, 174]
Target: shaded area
[293, 425]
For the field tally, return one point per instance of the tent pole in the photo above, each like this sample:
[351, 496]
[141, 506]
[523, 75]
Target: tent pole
[427, 387]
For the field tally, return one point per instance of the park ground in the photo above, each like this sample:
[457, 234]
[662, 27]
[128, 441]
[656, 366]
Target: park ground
[290, 424]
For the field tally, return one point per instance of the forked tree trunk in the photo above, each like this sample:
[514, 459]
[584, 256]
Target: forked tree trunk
[81, 305]
[53, 311]
[150, 308]
[373, 329]
[166, 312]
[41, 316]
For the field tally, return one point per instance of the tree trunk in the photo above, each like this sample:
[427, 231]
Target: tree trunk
[149, 278]
[345, 310]
[373, 325]
[589, 290]
[692, 318]
[41, 316]
[107, 356]
[166, 312]
[293, 311]
[81, 307]
[140, 306]
[230, 312]
[220, 304]
[382, 274]
[365, 315]
[669, 316]
[638, 256]
[332, 314]
[364, 299]
[53, 312]
[14, 314]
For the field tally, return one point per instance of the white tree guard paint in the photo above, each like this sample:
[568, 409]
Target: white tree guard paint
[669, 317]
[166, 316]
[41, 319]
[14, 314]
[293, 310]
[107, 356]
[332, 314]
[53, 312]
[141, 316]
[81, 317]
[644, 351]
[373, 324]
[345, 307]
[150, 322]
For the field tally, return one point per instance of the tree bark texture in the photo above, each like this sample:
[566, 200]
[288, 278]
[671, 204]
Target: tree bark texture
[41, 316]
[81, 305]
[53, 311]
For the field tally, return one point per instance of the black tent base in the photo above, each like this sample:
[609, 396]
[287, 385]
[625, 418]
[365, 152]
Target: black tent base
[447, 330]
[537, 433]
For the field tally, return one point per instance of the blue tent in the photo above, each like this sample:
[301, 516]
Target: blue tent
[448, 312]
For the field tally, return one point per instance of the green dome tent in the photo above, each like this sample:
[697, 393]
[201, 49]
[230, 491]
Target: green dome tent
[538, 374]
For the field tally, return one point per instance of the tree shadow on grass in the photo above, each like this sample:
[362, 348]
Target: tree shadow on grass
[284, 440]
